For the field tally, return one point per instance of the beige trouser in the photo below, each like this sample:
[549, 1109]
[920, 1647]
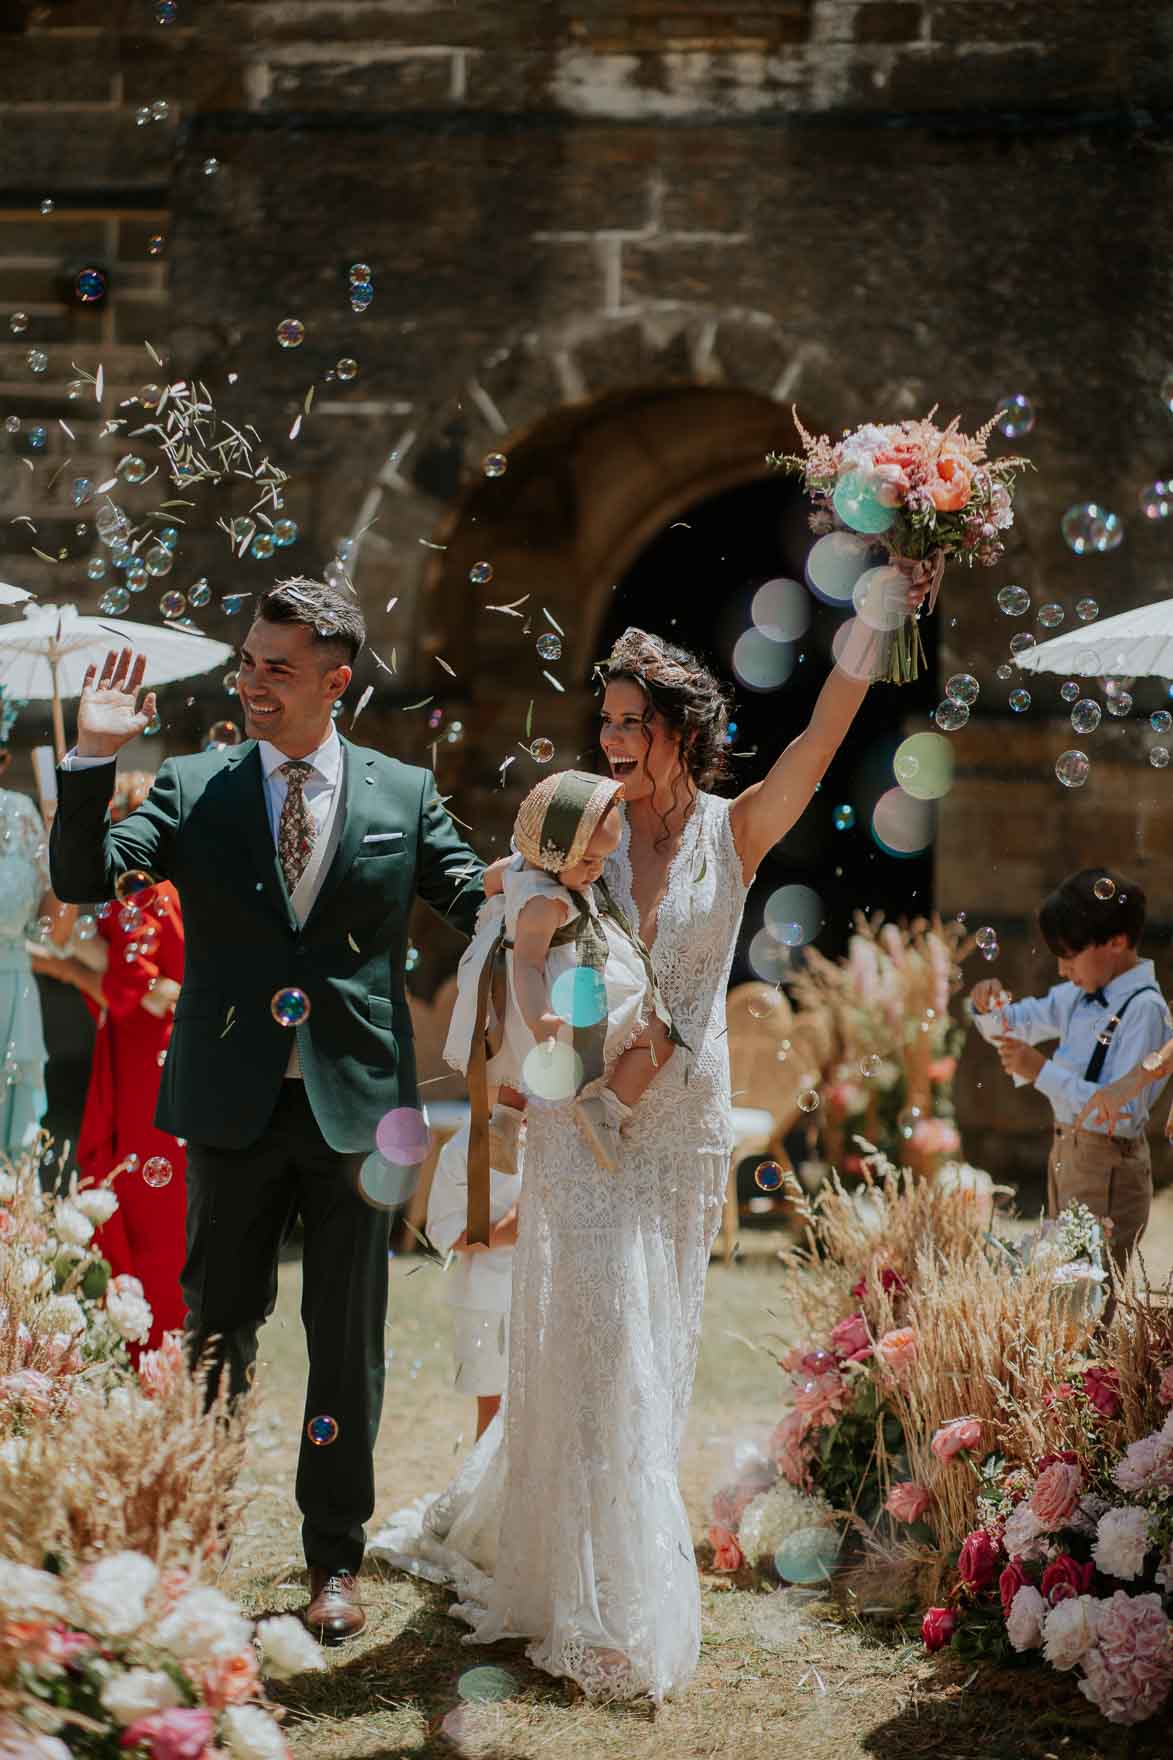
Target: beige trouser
[1113, 1176]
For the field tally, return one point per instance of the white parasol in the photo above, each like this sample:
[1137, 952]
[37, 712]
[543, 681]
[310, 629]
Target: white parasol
[1136, 644]
[44, 657]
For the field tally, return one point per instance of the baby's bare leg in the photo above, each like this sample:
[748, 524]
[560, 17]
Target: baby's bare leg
[636, 1070]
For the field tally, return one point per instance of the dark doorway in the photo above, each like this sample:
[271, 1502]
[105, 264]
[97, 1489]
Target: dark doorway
[694, 584]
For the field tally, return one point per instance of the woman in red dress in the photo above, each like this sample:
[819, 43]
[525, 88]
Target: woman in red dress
[133, 1002]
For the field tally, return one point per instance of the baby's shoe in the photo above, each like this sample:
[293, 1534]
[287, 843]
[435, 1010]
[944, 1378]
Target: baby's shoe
[601, 1117]
[505, 1124]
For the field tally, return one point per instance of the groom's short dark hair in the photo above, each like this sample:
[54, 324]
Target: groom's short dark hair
[331, 614]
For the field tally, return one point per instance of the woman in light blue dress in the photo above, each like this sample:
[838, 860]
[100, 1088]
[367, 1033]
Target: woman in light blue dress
[24, 886]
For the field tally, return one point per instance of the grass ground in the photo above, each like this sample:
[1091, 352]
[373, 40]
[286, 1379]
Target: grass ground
[780, 1672]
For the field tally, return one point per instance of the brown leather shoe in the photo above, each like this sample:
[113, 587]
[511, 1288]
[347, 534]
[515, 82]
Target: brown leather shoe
[335, 1611]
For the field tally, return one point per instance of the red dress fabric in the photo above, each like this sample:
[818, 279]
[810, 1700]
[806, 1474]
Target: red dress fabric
[145, 1236]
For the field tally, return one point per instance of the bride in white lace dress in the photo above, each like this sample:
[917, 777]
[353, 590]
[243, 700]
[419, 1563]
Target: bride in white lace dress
[565, 1525]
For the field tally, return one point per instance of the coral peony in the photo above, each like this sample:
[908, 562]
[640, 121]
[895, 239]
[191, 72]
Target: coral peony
[958, 1435]
[1024, 1622]
[977, 1564]
[908, 1501]
[1065, 1578]
[1121, 1543]
[727, 1554]
[952, 482]
[1012, 1579]
[230, 1680]
[1102, 1387]
[1069, 1630]
[850, 1339]
[1056, 1494]
[1129, 1669]
[897, 1349]
[162, 1370]
[938, 1626]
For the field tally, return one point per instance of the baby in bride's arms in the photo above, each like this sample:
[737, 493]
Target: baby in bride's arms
[579, 1014]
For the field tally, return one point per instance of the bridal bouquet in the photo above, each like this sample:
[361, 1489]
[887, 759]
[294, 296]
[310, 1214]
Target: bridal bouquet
[909, 492]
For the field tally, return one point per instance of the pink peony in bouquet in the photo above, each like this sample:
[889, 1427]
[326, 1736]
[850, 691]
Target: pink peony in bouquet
[894, 502]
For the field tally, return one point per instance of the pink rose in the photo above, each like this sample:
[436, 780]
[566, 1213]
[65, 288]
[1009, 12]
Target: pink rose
[1012, 1579]
[977, 1565]
[1064, 1578]
[1056, 1494]
[171, 1735]
[850, 1340]
[727, 1554]
[908, 1501]
[897, 1349]
[938, 1627]
[955, 1437]
[889, 1280]
[821, 1398]
[1102, 1387]
[1165, 1385]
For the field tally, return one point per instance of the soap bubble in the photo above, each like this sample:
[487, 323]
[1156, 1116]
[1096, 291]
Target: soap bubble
[881, 597]
[793, 914]
[173, 604]
[1085, 717]
[1087, 610]
[1051, 616]
[322, 1431]
[222, 733]
[48, 205]
[835, 564]
[96, 568]
[262, 546]
[38, 360]
[168, 536]
[137, 578]
[158, 560]
[90, 285]
[1072, 768]
[1156, 499]
[495, 464]
[132, 468]
[86, 927]
[346, 368]
[290, 333]
[199, 593]
[962, 688]
[384, 1184]
[114, 601]
[810, 1555]
[857, 503]
[1014, 415]
[130, 883]
[402, 1135]
[1161, 721]
[290, 1007]
[1159, 757]
[231, 603]
[870, 1066]
[902, 824]
[1021, 642]
[481, 573]
[768, 1176]
[157, 1171]
[485, 1684]
[986, 937]
[808, 1100]
[923, 766]
[18, 323]
[552, 1071]
[541, 750]
[1104, 888]
[950, 716]
[210, 167]
[361, 295]
[1013, 601]
[1118, 703]
[1019, 701]
[549, 647]
[286, 532]
[843, 817]
[579, 996]
[763, 1004]
[781, 610]
[1088, 527]
[156, 244]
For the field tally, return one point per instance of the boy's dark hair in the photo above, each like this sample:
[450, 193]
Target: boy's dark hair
[1089, 908]
[333, 615]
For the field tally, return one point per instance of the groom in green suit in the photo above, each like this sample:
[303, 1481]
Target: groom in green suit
[297, 857]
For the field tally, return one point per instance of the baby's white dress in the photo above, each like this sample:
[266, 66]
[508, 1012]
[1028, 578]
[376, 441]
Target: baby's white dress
[628, 996]
[476, 1285]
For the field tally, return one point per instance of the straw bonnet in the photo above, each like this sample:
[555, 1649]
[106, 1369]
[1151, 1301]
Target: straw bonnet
[560, 815]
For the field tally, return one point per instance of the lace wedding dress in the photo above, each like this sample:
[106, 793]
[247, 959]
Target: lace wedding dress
[565, 1524]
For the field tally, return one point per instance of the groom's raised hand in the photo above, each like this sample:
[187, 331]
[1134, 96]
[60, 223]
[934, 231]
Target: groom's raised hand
[107, 713]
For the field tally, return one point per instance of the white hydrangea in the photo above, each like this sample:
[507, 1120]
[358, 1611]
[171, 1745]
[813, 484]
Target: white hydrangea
[70, 1225]
[137, 1693]
[97, 1202]
[776, 1514]
[112, 1594]
[250, 1734]
[1122, 1539]
[287, 1648]
[1070, 1630]
[64, 1314]
[36, 1276]
[1024, 1622]
[129, 1313]
[26, 1593]
[204, 1626]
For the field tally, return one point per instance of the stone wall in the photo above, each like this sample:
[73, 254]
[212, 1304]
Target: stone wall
[608, 238]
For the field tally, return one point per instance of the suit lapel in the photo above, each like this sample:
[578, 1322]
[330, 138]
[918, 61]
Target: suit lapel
[357, 808]
[250, 806]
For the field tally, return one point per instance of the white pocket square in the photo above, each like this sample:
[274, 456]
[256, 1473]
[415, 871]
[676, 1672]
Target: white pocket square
[381, 836]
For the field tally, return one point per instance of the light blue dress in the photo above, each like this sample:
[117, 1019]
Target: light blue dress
[24, 878]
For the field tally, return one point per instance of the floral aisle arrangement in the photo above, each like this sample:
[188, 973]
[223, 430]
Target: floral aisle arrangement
[894, 502]
[897, 1046]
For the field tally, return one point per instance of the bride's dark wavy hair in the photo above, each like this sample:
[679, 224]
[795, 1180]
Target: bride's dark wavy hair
[691, 699]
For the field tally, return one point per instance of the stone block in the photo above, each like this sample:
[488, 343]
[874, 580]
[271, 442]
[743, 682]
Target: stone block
[58, 70]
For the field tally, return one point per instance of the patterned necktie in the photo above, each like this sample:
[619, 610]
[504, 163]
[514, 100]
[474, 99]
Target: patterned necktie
[295, 833]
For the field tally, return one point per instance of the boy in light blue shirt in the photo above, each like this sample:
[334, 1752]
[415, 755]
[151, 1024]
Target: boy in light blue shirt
[1107, 1015]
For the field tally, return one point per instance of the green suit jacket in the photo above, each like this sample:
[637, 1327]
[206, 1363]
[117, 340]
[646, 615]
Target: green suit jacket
[206, 827]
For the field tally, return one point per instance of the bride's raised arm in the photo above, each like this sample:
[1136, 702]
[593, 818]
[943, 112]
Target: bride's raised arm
[763, 813]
